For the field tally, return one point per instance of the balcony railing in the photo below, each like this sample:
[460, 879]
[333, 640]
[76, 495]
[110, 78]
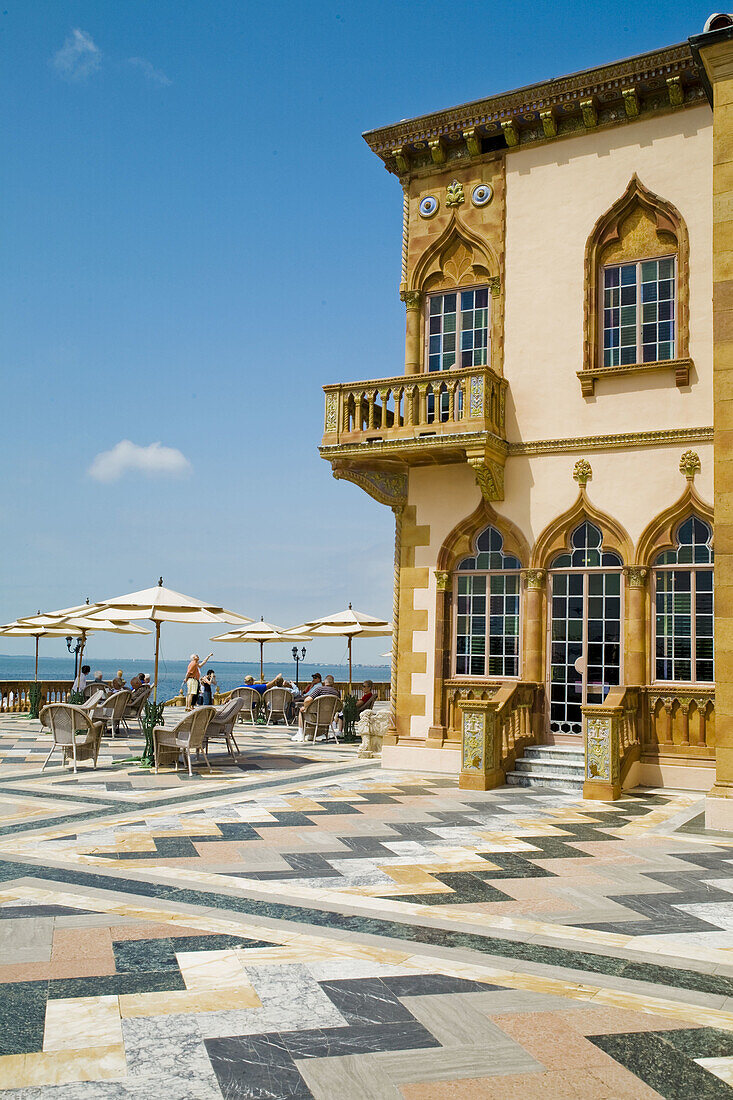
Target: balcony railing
[471, 399]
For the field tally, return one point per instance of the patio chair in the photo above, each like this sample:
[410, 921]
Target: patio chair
[74, 731]
[278, 701]
[221, 726]
[134, 709]
[93, 687]
[92, 700]
[252, 702]
[112, 709]
[186, 737]
[320, 715]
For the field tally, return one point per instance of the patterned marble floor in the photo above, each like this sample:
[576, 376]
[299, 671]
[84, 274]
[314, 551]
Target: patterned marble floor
[303, 924]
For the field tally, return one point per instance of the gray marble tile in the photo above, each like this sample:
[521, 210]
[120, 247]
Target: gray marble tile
[26, 940]
[356, 1076]
[456, 1020]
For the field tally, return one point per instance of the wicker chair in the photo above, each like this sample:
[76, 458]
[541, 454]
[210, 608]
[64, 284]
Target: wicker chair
[278, 701]
[112, 710]
[187, 737]
[320, 715]
[92, 700]
[93, 687]
[134, 709]
[221, 726]
[74, 731]
[252, 702]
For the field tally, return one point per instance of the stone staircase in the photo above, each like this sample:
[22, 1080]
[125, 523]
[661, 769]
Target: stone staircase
[559, 767]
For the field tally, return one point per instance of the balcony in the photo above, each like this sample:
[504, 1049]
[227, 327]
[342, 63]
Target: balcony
[388, 424]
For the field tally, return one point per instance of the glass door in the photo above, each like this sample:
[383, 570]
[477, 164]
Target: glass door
[585, 629]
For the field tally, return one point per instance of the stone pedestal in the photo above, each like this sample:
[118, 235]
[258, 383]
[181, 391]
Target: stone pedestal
[373, 728]
[480, 770]
[601, 736]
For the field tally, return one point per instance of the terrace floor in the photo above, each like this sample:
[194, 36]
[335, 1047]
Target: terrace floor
[304, 924]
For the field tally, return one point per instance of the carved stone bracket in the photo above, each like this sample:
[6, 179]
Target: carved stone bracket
[675, 90]
[510, 133]
[589, 112]
[631, 102]
[489, 476]
[549, 123]
[473, 142]
[385, 486]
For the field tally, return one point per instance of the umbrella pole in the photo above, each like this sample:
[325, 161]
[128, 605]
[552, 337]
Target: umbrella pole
[36, 672]
[262, 667]
[349, 640]
[157, 650]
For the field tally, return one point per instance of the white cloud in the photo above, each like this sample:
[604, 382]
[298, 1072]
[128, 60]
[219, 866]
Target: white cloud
[149, 71]
[79, 56]
[155, 460]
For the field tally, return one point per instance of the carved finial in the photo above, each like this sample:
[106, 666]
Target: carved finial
[454, 194]
[582, 472]
[690, 464]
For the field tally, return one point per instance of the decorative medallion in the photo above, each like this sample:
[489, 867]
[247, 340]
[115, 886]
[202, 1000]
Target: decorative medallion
[482, 195]
[690, 464]
[428, 207]
[582, 472]
[454, 194]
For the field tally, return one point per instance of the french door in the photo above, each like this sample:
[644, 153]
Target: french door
[585, 643]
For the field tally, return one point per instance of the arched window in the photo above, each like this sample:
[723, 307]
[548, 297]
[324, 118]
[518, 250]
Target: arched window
[683, 587]
[585, 627]
[487, 609]
[637, 293]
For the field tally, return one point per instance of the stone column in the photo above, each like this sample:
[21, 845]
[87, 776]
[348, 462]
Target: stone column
[636, 618]
[443, 642]
[413, 302]
[534, 588]
[716, 54]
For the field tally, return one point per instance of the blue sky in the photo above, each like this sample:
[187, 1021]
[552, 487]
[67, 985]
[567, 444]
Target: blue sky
[195, 238]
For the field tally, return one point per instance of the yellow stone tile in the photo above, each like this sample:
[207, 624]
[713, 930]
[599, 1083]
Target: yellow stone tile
[19, 1071]
[212, 970]
[187, 1001]
[720, 1067]
[82, 1022]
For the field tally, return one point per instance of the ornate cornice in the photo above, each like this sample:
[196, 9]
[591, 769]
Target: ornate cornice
[612, 442]
[608, 94]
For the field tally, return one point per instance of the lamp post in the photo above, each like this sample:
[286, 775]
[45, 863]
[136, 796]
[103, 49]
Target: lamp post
[76, 650]
[298, 657]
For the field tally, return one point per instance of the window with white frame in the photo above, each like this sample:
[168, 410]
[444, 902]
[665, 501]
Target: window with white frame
[639, 312]
[458, 329]
[683, 585]
[487, 609]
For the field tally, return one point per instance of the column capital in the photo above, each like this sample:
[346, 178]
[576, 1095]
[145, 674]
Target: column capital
[534, 578]
[442, 580]
[411, 298]
[636, 575]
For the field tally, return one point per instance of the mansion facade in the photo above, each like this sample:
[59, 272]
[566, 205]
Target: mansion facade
[555, 450]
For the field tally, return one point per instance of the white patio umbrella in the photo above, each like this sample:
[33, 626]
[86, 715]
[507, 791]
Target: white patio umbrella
[55, 625]
[263, 633]
[25, 630]
[163, 605]
[347, 624]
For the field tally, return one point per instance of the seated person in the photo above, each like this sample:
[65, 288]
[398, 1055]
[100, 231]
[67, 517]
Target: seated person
[249, 681]
[315, 679]
[135, 683]
[367, 701]
[325, 688]
[119, 681]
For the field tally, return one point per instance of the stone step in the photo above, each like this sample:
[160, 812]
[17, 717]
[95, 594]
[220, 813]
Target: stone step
[539, 778]
[569, 769]
[555, 753]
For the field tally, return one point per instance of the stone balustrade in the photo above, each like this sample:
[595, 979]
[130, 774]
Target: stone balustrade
[611, 738]
[497, 724]
[380, 687]
[471, 399]
[15, 694]
[680, 721]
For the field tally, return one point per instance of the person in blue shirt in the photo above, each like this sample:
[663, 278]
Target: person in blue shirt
[249, 681]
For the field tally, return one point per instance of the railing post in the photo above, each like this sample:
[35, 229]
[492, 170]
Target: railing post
[480, 746]
[602, 743]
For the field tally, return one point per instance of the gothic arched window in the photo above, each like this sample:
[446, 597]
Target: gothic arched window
[683, 587]
[487, 617]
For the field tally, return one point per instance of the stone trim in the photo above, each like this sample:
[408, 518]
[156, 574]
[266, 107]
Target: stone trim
[681, 368]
